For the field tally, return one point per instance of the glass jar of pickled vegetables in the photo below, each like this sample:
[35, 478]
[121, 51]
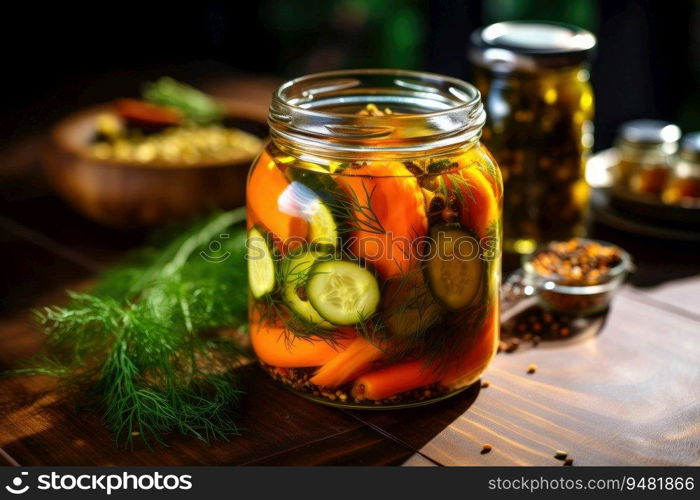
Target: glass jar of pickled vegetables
[646, 149]
[539, 106]
[374, 230]
[683, 186]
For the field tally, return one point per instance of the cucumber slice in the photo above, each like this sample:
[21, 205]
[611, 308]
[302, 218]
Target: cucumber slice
[342, 292]
[261, 263]
[322, 203]
[455, 271]
[323, 229]
[296, 272]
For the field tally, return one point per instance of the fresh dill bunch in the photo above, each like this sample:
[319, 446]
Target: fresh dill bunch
[144, 348]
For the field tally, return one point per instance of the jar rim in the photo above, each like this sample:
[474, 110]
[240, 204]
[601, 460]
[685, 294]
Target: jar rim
[319, 111]
[326, 75]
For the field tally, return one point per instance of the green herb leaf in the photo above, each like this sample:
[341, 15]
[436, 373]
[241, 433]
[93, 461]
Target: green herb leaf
[199, 107]
[141, 347]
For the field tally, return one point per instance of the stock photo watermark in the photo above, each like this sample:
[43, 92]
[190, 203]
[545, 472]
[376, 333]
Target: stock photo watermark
[104, 483]
[368, 248]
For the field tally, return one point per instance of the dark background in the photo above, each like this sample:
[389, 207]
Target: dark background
[59, 56]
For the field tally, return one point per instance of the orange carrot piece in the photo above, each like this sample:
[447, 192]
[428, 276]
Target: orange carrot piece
[265, 186]
[271, 347]
[393, 380]
[347, 365]
[470, 367]
[488, 164]
[480, 206]
[394, 197]
[146, 114]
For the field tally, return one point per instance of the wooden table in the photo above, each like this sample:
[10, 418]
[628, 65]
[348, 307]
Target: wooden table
[624, 391]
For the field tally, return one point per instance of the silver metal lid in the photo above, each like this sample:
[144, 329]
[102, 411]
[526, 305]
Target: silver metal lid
[649, 132]
[691, 143]
[690, 147]
[530, 45]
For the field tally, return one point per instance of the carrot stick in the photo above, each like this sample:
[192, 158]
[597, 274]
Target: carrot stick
[489, 165]
[347, 365]
[393, 380]
[389, 213]
[265, 186]
[470, 367]
[271, 347]
[479, 206]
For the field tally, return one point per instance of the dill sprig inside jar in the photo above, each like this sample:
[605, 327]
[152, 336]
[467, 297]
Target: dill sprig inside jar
[374, 239]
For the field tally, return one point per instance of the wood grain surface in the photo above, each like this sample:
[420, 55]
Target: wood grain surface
[624, 390]
[683, 295]
[628, 396]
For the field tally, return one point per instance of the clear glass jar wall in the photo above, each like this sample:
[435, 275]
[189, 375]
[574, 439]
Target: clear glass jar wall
[374, 220]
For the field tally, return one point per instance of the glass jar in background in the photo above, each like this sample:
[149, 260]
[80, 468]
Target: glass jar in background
[539, 104]
[374, 230]
[646, 149]
[683, 186]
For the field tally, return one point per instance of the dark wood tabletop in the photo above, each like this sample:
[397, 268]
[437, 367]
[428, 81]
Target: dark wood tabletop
[623, 388]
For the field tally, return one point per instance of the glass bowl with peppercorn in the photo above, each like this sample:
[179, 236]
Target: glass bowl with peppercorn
[578, 276]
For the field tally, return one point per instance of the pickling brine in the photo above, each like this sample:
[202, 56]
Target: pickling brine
[374, 268]
[539, 102]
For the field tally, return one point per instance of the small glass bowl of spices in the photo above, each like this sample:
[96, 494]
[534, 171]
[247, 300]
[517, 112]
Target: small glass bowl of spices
[578, 276]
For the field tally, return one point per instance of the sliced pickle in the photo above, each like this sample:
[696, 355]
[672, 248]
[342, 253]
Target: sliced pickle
[455, 270]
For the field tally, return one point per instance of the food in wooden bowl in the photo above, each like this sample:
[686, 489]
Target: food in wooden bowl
[173, 154]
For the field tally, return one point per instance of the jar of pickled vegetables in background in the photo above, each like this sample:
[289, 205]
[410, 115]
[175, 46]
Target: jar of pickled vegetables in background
[539, 106]
[683, 186]
[374, 232]
[646, 149]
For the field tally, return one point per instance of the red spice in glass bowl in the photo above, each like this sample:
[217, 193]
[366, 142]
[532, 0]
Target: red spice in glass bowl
[578, 276]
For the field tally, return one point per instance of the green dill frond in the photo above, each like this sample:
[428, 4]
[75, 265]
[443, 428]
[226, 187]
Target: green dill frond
[143, 346]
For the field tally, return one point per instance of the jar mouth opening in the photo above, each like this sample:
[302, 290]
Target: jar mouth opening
[426, 110]
[319, 91]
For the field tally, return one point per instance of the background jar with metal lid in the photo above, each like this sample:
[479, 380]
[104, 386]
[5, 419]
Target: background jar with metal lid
[535, 84]
[646, 149]
[683, 186]
[374, 239]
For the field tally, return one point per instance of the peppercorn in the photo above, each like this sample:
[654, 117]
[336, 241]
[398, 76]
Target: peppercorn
[437, 205]
[576, 261]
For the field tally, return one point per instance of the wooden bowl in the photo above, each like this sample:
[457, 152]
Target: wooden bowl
[130, 194]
